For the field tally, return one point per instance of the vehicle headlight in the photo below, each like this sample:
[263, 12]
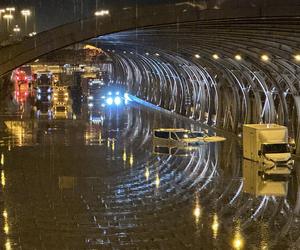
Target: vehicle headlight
[109, 101]
[117, 100]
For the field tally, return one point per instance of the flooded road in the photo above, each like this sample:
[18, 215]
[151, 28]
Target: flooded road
[72, 184]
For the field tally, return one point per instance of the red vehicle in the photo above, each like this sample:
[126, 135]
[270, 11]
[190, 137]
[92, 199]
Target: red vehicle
[21, 85]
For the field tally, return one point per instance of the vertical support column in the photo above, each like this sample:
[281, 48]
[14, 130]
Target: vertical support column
[297, 137]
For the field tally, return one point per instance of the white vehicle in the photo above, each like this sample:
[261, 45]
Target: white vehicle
[268, 145]
[177, 151]
[60, 112]
[259, 183]
[60, 95]
[205, 138]
[175, 137]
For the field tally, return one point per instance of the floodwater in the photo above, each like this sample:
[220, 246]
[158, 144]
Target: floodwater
[72, 184]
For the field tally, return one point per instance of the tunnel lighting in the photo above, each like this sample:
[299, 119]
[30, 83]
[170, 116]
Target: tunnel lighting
[197, 56]
[91, 105]
[156, 54]
[109, 101]
[117, 93]
[265, 58]
[238, 57]
[297, 57]
[147, 54]
[117, 100]
[2, 11]
[109, 93]
[215, 56]
[102, 13]
[90, 97]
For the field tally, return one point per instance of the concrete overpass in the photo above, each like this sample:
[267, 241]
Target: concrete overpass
[143, 16]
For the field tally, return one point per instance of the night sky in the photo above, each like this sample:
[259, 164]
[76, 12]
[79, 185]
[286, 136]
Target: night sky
[50, 13]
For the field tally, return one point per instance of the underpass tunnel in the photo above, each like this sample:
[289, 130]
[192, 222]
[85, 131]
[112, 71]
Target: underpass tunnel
[217, 74]
[223, 74]
[223, 69]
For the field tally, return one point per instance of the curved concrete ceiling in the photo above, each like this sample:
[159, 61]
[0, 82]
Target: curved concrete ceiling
[224, 73]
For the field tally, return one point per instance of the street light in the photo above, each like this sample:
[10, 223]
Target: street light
[102, 13]
[8, 17]
[1, 12]
[26, 14]
[11, 9]
[16, 29]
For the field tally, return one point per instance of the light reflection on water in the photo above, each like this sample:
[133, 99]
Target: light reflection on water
[96, 184]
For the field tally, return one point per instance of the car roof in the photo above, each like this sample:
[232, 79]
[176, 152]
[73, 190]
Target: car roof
[171, 130]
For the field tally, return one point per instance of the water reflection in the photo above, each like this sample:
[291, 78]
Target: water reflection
[3, 179]
[215, 226]
[197, 211]
[257, 185]
[238, 239]
[95, 185]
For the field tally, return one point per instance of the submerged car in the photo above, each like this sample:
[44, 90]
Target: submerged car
[205, 138]
[60, 112]
[176, 151]
[175, 137]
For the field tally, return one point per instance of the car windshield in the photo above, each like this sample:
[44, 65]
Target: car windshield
[60, 109]
[198, 134]
[275, 148]
[185, 135]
